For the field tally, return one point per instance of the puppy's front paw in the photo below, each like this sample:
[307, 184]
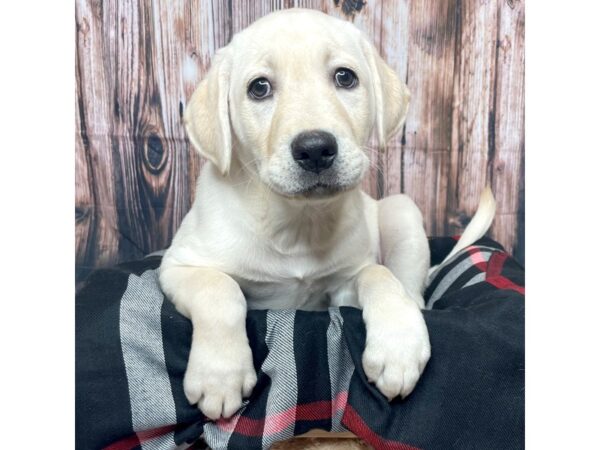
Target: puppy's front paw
[218, 375]
[396, 353]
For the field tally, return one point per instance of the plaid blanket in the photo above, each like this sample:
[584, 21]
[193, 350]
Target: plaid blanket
[132, 348]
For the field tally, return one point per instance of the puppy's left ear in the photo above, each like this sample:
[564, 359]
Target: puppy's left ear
[390, 95]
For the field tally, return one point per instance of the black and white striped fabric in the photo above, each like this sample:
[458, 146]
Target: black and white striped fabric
[132, 349]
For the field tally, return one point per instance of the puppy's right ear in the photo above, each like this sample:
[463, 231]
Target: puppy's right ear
[206, 116]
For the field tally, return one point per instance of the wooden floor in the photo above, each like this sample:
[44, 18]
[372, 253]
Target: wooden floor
[137, 62]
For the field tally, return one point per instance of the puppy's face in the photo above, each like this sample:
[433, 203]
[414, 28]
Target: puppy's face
[302, 92]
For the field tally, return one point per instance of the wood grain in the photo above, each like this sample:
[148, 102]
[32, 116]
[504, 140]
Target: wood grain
[472, 121]
[428, 130]
[507, 164]
[138, 61]
[96, 196]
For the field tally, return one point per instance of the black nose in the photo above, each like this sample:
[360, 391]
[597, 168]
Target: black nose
[314, 150]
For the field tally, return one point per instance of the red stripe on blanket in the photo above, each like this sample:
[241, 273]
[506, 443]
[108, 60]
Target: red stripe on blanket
[504, 283]
[139, 438]
[276, 423]
[353, 422]
[496, 264]
[124, 444]
[477, 258]
[494, 274]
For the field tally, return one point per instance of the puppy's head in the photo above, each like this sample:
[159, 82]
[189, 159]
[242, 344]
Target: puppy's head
[296, 96]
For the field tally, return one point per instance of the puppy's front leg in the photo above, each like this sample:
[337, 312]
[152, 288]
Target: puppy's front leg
[220, 369]
[397, 347]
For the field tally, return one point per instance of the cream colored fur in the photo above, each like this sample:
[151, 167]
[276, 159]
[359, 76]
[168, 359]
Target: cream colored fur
[254, 238]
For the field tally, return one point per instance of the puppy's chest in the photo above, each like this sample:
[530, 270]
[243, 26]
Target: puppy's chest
[302, 282]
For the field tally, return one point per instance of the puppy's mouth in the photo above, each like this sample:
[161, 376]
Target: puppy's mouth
[321, 190]
[304, 185]
[318, 191]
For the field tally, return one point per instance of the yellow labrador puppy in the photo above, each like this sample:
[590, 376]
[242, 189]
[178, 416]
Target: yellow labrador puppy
[279, 220]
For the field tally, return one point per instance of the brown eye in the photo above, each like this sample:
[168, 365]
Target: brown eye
[345, 78]
[260, 89]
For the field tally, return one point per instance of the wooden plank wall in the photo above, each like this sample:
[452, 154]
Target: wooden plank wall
[137, 61]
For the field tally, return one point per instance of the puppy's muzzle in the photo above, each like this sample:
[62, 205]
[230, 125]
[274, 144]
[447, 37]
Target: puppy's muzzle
[314, 150]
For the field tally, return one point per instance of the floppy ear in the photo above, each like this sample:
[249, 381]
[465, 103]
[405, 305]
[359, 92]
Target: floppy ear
[207, 114]
[391, 96]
